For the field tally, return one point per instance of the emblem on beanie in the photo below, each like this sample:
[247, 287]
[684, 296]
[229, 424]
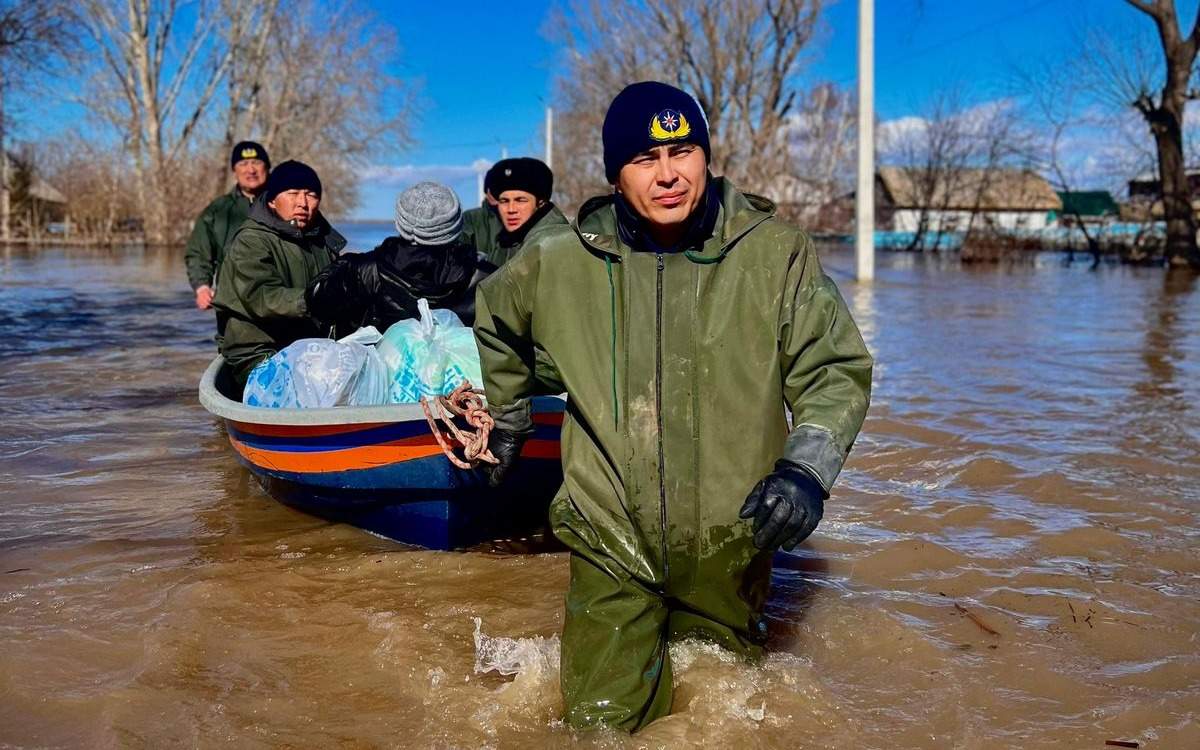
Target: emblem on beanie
[249, 153]
[669, 125]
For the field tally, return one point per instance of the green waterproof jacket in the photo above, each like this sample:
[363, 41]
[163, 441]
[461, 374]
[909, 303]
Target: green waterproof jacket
[503, 245]
[260, 288]
[678, 368]
[481, 227]
[211, 233]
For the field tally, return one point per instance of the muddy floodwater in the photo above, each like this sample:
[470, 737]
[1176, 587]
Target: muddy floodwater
[1011, 558]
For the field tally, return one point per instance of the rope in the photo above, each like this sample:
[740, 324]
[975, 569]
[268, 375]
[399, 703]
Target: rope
[466, 402]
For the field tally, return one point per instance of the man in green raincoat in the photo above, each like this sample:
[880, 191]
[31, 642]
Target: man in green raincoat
[519, 193]
[482, 225]
[277, 252]
[681, 318]
[220, 219]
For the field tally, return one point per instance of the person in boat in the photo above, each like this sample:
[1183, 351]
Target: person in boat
[522, 187]
[220, 219]
[426, 258]
[682, 316]
[482, 225]
[278, 250]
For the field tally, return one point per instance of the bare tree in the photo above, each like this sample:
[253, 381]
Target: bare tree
[160, 75]
[178, 85]
[822, 138]
[934, 150]
[99, 182]
[334, 116]
[1061, 114]
[1163, 112]
[250, 56]
[32, 37]
[953, 164]
[740, 60]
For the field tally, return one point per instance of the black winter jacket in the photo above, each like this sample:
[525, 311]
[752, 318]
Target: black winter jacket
[381, 287]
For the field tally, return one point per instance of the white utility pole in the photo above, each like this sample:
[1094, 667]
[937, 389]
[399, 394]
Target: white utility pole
[864, 203]
[550, 137]
[481, 167]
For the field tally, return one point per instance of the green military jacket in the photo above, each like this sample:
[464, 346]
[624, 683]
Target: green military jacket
[678, 368]
[211, 233]
[481, 227]
[260, 295]
[495, 249]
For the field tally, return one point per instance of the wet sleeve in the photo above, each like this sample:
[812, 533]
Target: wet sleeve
[200, 255]
[826, 369]
[506, 352]
[257, 282]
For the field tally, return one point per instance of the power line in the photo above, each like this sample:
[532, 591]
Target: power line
[985, 26]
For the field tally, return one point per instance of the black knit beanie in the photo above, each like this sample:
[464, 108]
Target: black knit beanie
[291, 175]
[249, 150]
[649, 114]
[524, 173]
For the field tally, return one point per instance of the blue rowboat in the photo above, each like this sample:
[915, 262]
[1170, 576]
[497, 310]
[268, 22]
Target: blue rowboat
[380, 468]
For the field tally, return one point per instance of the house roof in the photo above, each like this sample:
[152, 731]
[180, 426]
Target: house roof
[1088, 203]
[970, 189]
[46, 192]
[39, 188]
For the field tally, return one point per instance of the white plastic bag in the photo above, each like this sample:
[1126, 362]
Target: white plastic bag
[428, 356]
[367, 336]
[317, 373]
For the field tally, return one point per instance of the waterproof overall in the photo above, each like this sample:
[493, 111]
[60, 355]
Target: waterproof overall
[678, 368]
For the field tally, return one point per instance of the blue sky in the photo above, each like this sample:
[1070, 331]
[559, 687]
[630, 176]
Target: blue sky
[486, 82]
[485, 71]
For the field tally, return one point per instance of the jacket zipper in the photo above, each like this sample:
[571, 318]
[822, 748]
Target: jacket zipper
[662, 482]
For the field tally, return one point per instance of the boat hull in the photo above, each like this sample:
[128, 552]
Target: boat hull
[381, 469]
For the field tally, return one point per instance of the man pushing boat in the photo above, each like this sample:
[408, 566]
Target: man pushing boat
[681, 316]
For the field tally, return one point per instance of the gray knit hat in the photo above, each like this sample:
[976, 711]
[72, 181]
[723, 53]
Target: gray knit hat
[428, 214]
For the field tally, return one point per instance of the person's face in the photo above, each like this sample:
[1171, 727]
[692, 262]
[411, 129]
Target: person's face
[515, 207]
[296, 206]
[665, 183]
[251, 175]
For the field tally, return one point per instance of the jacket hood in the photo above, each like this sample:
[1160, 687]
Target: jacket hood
[597, 223]
[434, 272]
[319, 232]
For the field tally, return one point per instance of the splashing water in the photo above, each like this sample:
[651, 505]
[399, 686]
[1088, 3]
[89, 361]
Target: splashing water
[515, 656]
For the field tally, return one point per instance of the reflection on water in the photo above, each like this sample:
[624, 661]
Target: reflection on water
[1009, 559]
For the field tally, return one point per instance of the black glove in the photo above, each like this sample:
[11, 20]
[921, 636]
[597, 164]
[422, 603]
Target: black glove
[505, 445]
[338, 294]
[786, 506]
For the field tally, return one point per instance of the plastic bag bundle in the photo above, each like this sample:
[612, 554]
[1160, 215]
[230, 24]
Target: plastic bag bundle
[316, 373]
[428, 356]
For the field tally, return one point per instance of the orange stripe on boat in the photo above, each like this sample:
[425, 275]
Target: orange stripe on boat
[366, 457]
[313, 462]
